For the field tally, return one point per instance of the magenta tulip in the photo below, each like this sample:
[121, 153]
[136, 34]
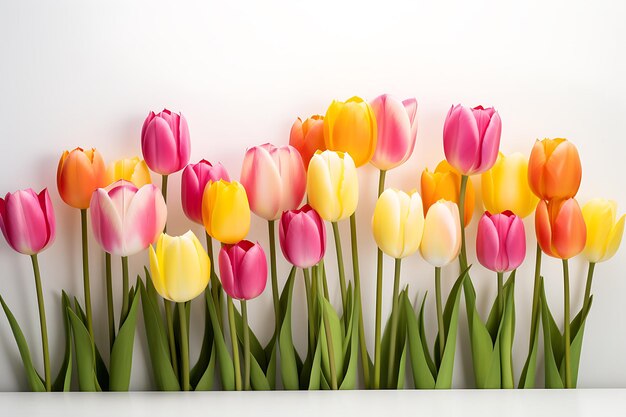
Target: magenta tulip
[501, 241]
[302, 237]
[274, 179]
[194, 180]
[397, 130]
[243, 270]
[471, 138]
[165, 142]
[27, 220]
[125, 219]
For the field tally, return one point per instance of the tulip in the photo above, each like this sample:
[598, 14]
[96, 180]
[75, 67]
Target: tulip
[501, 241]
[332, 185]
[194, 180]
[308, 137]
[132, 169]
[302, 237]
[79, 174]
[441, 239]
[560, 228]
[554, 169]
[274, 179]
[165, 142]
[397, 130]
[604, 230]
[225, 211]
[471, 138]
[351, 127]
[445, 184]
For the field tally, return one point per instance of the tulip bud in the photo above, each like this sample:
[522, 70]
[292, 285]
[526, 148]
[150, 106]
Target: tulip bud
[308, 137]
[27, 220]
[332, 185]
[243, 270]
[302, 237]
[604, 230]
[132, 169]
[445, 184]
[505, 186]
[165, 142]
[79, 174]
[179, 267]
[560, 228]
[274, 179]
[351, 127]
[554, 169]
[441, 240]
[471, 138]
[398, 223]
[225, 211]
[193, 182]
[125, 219]
[396, 122]
[501, 241]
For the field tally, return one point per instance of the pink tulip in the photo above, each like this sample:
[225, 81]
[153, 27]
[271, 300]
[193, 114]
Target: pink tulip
[501, 241]
[243, 270]
[165, 142]
[397, 130]
[471, 138]
[126, 219]
[302, 237]
[194, 179]
[274, 179]
[27, 220]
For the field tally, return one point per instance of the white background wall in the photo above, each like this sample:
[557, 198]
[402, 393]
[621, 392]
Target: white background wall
[77, 73]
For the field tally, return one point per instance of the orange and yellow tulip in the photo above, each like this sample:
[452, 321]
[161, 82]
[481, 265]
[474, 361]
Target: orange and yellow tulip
[554, 169]
[445, 184]
[560, 228]
[79, 174]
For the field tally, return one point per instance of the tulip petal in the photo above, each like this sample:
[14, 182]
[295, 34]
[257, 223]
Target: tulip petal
[515, 244]
[488, 249]
[614, 239]
[461, 139]
[569, 230]
[252, 273]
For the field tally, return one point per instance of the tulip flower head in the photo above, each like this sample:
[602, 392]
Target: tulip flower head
[79, 174]
[397, 130]
[165, 142]
[350, 127]
[243, 270]
[27, 220]
[193, 182]
[274, 179]
[308, 137]
[554, 169]
[225, 211]
[398, 223]
[133, 170]
[179, 267]
[501, 241]
[125, 219]
[471, 138]
[604, 230]
[560, 228]
[333, 185]
[445, 184]
[441, 240]
[302, 237]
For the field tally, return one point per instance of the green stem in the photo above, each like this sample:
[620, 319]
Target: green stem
[587, 298]
[342, 274]
[164, 192]
[463, 253]
[500, 294]
[275, 293]
[330, 346]
[536, 294]
[169, 318]
[86, 286]
[324, 281]
[110, 306]
[42, 323]
[395, 314]
[440, 324]
[215, 289]
[309, 304]
[184, 345]
[246, 345]
[124, 289]
[377, 326]
[233, 342]
[566, 335]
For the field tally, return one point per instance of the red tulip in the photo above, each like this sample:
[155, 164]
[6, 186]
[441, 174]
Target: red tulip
[165, 142]
[193, 182]
[501, 241]
[243, 270]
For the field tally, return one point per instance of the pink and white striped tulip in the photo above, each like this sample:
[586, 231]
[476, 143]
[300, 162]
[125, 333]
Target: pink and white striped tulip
[27, 220]
[501, 241]
[302, 237]
[274, 179]
[165, 142]
[125, 219]
[193, 182]
[243, 270]
[397, 130]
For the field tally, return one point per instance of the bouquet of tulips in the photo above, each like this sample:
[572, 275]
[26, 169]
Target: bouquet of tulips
[127, 214]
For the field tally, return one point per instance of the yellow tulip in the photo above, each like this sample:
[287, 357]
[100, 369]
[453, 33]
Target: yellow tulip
[350, 127]
[332, 185]
[505, 186]
[441, 240]
[604, 233]
[398, 223]
[179, 267]
[133, 169]
[225, 211]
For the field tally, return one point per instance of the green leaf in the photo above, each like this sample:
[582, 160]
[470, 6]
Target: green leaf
[258, 379]
[85, 357]
[336, 335]
[199, 370]
[224, 360]
[256, 349]
[351, 345]
[423, 377]
[288, 365]
[578, 331]
[314, 382]
[122, 351]
[552, 376]
[205, 383]
[102, 374]
[64, 378]
[507, 333]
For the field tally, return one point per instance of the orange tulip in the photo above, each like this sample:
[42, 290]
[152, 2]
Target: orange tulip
[560, 228]
[445, 183]
[554, 169]
[79, 174]
[308, 137]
